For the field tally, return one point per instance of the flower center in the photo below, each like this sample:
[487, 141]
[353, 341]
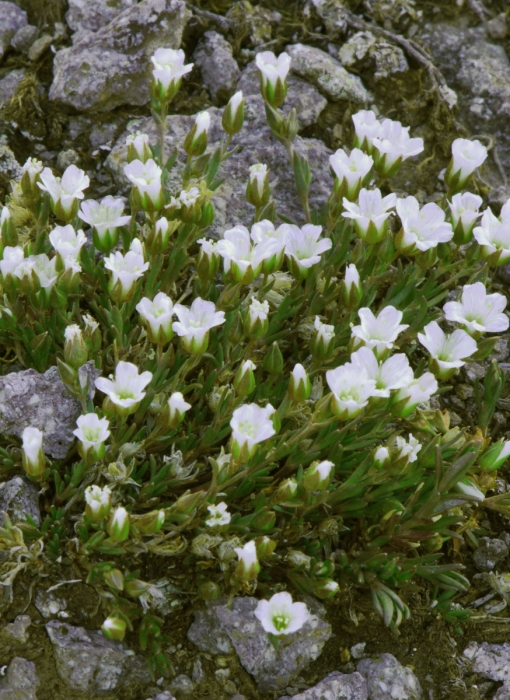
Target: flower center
[280, 621]
[247, 428]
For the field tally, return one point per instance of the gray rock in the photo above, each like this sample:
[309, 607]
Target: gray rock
[49, 604]
[24, 38]
[10, 169]
[502, 693]
[336, 686]
[497, 27]
[13, 18]
[19, 497]
[20, 681]
[112, 66]
[220, 629]
[334, 16]
[67, 158]
[258, 146]
[365, 51]
[17, 630]
[89, 662]
[491, 661]
[93, 15]
[490, 551]
[198, 673]
[305, 98]
[327, 74]
[219, 69]
[42, 401]
[387, 679]
[39, 46]
[9, 83]
[165, 695]
[182, 684]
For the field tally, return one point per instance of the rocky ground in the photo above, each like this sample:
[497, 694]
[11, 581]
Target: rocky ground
[73, 84]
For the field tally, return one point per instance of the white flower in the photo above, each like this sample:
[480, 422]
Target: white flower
[467, 156]
[280, 615]
[168, 70]
[12, 257]
[300, 387]
[242, 256]
[273, 69]
[64, 193]
[493, 235]
[317, 476]
[98, 502]
[126, 390]
[258, 310]
[264, 233]
[418, 391]
[75, 348]
[423, 228]
[393, 145]
[366, 126]
[370, 214]
[138, 147]
[33, 168]
[67, 241]
[464, 210]
[379, 332]
[478, 311]
[176, 407]
[32, 455]
[408, 449]
[248, 565]
[351, 388]
[125, 269]
[303, 248]
[322, 343]
[257, 177]
[118, 525]
[219, 515]
[393, 373]
[324, 330]
[447, 351]
[250, 425]
[91, 430]
[44, 268]
[195, 322]
[202, 122]
[146, 177]
[351, 171]
[105, 218]
[158, 313]
[467, 487]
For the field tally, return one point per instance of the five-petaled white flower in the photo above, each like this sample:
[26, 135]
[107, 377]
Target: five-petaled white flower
[105, 218]
[418, 391]
[219, 515]
[125, 269]
[146, 177]
[126, 390]
[351, 170]
[12, 257]
[464, 209]
[242, 256]
[195, 323]
[379, 332]
[351, 388]
[370, 214]
[91, 430]
[66, 241]
[367, 127]
[250, 425]
[393, 373]
[64, 193]
[176, 408]
[423, 228]
[409, 448]
[248, 565]
[467, 156]
[158, 314]
[273, 72]
[393, 145]
[447, 352]
[98, 501]
[168, 70]
[279, 615]
[264, 232]
[44, 268]
[478, 311]
[303, 248]
[493, 235]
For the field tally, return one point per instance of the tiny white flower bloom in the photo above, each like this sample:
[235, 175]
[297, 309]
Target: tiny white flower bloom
[248, 566]
[274, 72]
[158, 314]
[257, 177]
[195, 323]
[322, 343]
[467, 156]
[493, 235]
[418, 391]
[324, 330]
[138, 146]
[467, 487]
[32, 454]
[146, 177]
[367, 127]
[317, 476]
[464, 209]
[125, 269]
[219, 515]
[381, 456]
[408, 449]
[379, 332]
[478, 311]
[256, 319]
[351, 388]
[258, 310]
[279, 615]
[393, 373]
[91, 430]
[448, 352]
[67, 241]
[250, 425]
[176, 408]
[351, 170]
[105, 218]
[168, 70]
[423, 228]
[44, 268]
[33, 168]
[370, 214]
[303, 248]
[203, 122]
[118, 525]
[393, 145]
[351, 289]
[264, 233]
[126, 390]
[12, 257]
[98, 502]
[66, 191]
[242, 256]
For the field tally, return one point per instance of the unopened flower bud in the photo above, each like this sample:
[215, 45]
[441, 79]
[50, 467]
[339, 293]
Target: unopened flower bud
[188, 502]
[381, 457]
[173, 413]
[273, 360]
[248, 567]
[98, 501]
[157, 239]
[323, 341]
[265, 547]
[325, 588]
[233, 114]
[114, 579]
[298, 559]
[318, 476]
[195, 142]
[300, 387]
[351, 291]
[467, 156]
[285, 492]
[244, 382]
[264, 521]
[256, 319]
[208, 590]
[148, 523]
[114, 628]
[118, 526]
[134, 587]
[75, 348]
[208, 262]
[29, 179]
[138, 147]
[91, 333]
[236, 332]
[257, 190]
[8, 231]
[495, 456]
[32, 454]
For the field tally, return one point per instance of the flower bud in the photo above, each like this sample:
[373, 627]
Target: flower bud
[467, 156]
[208, 590]
[157, 239]
[257, 189]
[248, 567]
[173, 413]
[138, 147]
[264, 521]
[273, 360]
[91, 334]
[114, 628]
[29, 179]
[323, 342]
[98, 501]
[7, 228]
[265, 547]
[208, 262]
[195, 142]
[233, 114]
[495, 456]
[317, 477]
[148, 523]
[114, 579]
[298, 559]
[351, 291]
[188, 502]
[300, 387]
[285, 492]
[134, 587]
[75, 348]
[256, 321]
[244, 381]
[32, 454]
[325, 588]
[118, 526]
[236, 332]
[381, 457]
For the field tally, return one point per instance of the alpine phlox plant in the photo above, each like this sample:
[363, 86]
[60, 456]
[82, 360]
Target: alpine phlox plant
[267, 410]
